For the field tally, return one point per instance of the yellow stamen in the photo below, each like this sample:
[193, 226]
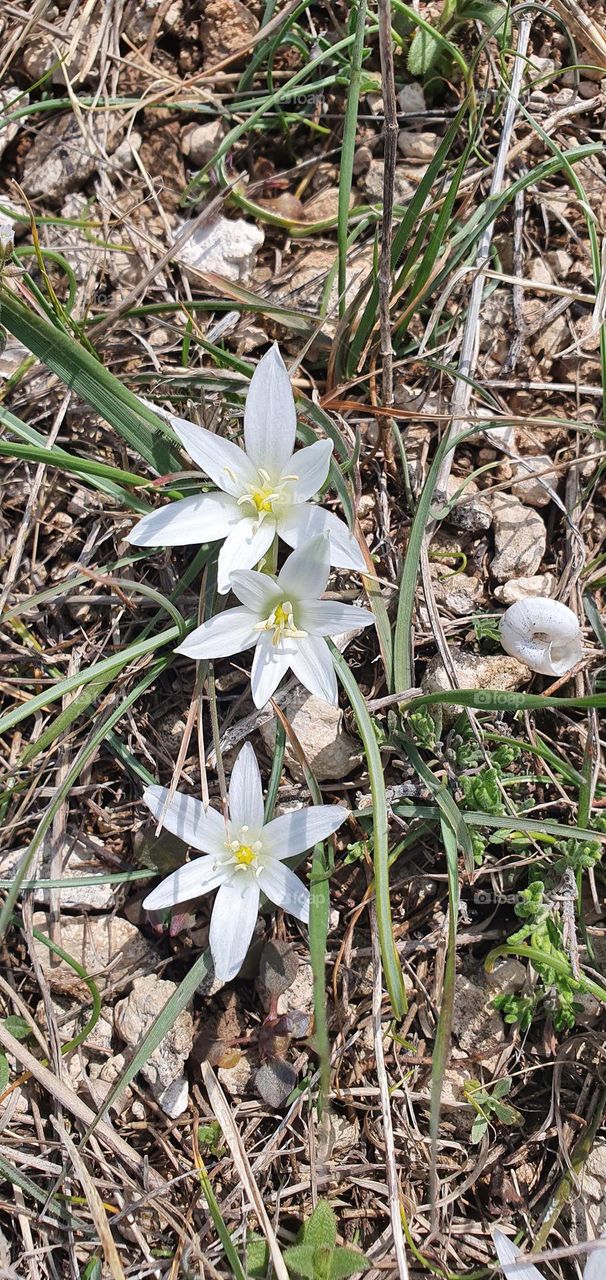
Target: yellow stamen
[244, 855]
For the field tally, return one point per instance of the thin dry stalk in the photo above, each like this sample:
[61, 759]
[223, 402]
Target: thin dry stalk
[391, 1169]
[461, 395]
[389, 177]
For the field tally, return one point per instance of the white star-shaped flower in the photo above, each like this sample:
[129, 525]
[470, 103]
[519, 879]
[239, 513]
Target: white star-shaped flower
[285, 620]
[244, 857]
[263, 490]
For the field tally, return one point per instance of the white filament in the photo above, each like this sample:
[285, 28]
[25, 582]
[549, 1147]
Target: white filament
[542, 633]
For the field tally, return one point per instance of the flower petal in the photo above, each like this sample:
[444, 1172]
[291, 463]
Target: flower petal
[310, 466]
[270, 663]
[301, 523]
[270, 417]
[202, 518]
[232, 924]
[244, 547]
[594, 1267]
[226, 633]
[283, 887]
[258, 591]
[330, 618]
[222, 460]
[187, 818]
[298, 831]
[305, 574]
[507, 1253]
[246, 794]
[312, 665]
[190, 881]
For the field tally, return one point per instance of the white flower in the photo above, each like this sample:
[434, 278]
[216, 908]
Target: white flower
[511, 1259]
[244, 858]
[285, 619]
[544, 634]
[263, 490]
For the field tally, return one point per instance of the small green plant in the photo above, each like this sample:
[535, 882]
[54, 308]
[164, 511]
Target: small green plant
[425, 726]
[490, 1106]
[554, 991]
[316, 1254]
[429, 50]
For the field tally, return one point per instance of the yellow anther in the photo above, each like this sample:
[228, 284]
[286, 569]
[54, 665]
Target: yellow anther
[244, 855]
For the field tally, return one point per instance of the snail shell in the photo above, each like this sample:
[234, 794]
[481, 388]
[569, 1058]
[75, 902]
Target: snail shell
[542, 633]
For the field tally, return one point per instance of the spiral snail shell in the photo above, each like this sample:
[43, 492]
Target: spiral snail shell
[542, 633]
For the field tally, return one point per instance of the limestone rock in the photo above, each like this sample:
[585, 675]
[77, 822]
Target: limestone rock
[476, 670]
[541, 584]
[236, 1080]
[373, 184]
[226, 27]
[411, 99]
[531, 475]
[59, 160]
[417, 146]
[164, 1069]
[101, 944]
[520, 538]
[80, 856]
[460, 593]
[200, 141]
[330, 750]
[227, 247]
[471, 513]
[477, 1027]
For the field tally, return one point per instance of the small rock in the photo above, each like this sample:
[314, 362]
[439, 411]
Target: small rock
[164, 1069]
[305, 286]
[80, 856]
[102, 1078]
[200, 141]
[471, 514]
[123, 157]
[362, 160]
[8, 97]
[542, 584]
[528, 486]
[549, 341]
[478, 671]
[322, 206]
[417, 146]
[344, 1135]
[300, 994]
[99, 944]
[237, 1079]
[59, 160]
[226, 247]
[329, 749]
[595, 1163]
[560, 262]
[520, 538]
[478, 1027]
[508, 975]
[373, 184]
[460, 594]
[227, 26]
[453, 1103]
[411, 100]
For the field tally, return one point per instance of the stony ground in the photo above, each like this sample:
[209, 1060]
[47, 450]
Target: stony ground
[173, 214]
